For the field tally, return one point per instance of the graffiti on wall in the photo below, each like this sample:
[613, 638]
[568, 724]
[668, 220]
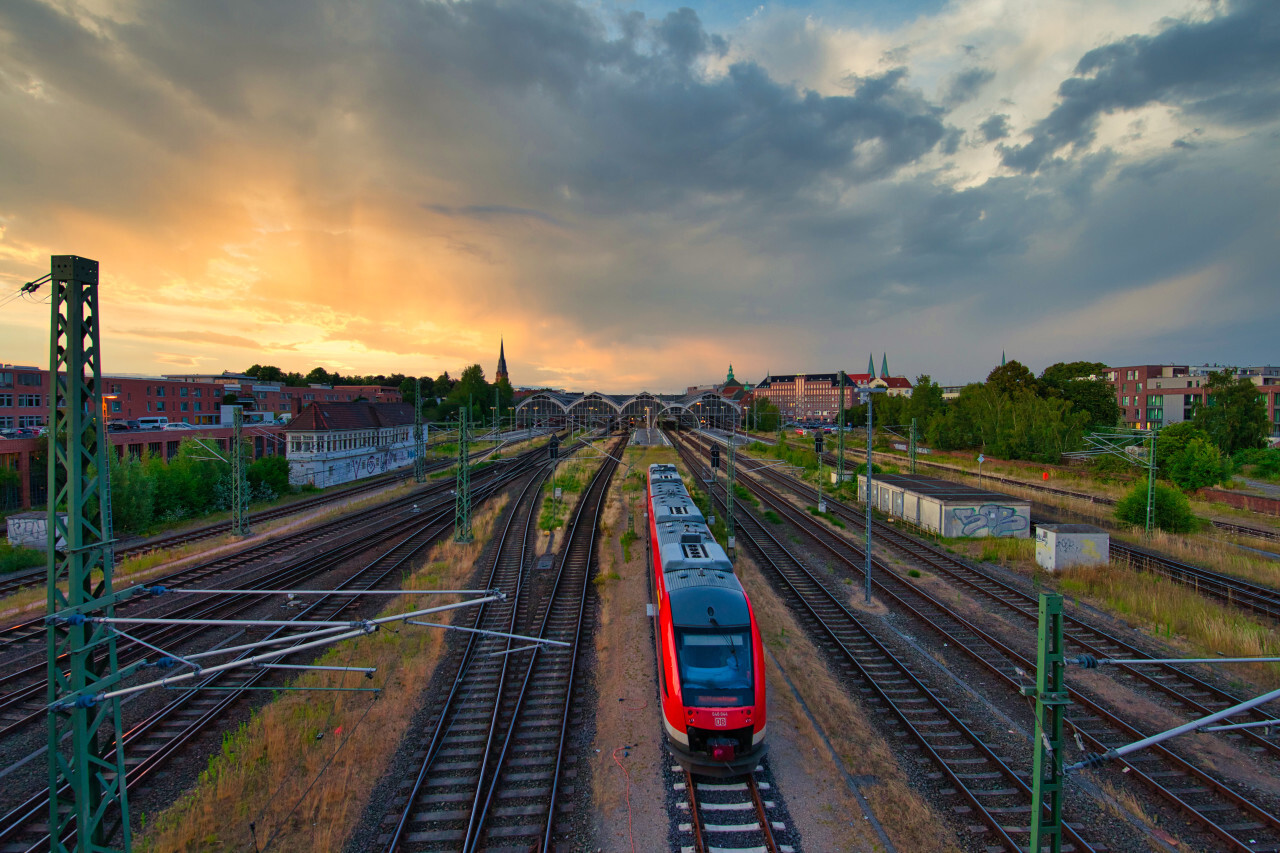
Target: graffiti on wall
[994, 519]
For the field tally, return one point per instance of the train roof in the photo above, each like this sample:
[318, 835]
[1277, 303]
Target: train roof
[672, 505]
[686, 546]
[663, 471]
[700, 595]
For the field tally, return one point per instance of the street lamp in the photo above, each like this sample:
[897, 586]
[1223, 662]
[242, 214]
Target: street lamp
[865, 397]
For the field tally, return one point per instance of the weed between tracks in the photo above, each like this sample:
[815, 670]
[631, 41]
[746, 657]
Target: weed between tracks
[266, 769]
[1178, 614]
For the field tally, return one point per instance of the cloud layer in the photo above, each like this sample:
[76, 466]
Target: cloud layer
[635, 201]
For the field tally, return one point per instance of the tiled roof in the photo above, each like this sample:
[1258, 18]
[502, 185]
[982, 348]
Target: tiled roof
[318, 417]
[898, 382]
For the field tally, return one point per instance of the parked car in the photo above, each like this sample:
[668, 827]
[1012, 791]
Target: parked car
[117, 426]
[134, 425]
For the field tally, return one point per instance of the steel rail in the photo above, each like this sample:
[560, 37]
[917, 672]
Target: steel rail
[1095, 641]
[376, 572]
[939, 614]
[862, 644]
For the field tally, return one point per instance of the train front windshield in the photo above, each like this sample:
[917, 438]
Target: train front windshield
[715, 667]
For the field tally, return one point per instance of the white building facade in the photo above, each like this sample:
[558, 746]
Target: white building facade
[335, 443]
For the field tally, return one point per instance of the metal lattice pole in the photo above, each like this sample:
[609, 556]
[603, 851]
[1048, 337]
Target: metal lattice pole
[462, 500]
[419, 446]
[87, 770]
[1151, 486]
[1051, 702]
[239, 483]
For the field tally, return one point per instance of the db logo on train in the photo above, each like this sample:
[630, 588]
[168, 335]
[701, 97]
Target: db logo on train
[722, 722]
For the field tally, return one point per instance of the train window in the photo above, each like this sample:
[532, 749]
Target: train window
[715, 667]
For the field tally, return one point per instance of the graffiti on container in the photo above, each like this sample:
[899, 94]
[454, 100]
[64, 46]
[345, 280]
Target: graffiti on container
[996, 520]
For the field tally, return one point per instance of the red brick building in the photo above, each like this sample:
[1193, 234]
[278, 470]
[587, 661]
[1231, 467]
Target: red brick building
[1157, 395]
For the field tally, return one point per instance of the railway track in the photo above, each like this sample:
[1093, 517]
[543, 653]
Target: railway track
[493, 765]
[17, 581]
[153, 741]
[1225, 526]
[1226, 813]
[994, 794]
[1234, 591]
[728, 814]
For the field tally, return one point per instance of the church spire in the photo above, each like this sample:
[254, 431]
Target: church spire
[884, 367]
[871, 365]
[501, 373]
[729, 380]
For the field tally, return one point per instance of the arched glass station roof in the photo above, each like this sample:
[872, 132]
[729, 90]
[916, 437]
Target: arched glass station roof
[548, 408]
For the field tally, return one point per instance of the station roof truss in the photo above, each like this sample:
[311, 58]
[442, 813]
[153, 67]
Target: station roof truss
[699, 409]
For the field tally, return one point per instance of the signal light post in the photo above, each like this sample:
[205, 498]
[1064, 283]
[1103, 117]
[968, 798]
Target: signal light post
[866, 397]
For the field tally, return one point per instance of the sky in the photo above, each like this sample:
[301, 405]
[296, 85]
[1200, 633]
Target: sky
[634, 195]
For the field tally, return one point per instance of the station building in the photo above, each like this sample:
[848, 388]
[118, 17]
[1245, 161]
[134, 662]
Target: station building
[338, 442]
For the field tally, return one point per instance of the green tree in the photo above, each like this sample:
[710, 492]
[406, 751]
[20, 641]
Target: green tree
[1235, 416]
[926, 399]
[1011, 377]
[1173, 510]
[1071, 382]
[1173, 439]
[319, 376]
[271, 472]
[1197, 465]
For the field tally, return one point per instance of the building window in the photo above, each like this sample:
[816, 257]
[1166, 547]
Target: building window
[6, 401]
[200, 393]
[29, 401]
[31, 380]
[182, 392]
[6, 422]
[160, 390]
[30, 421]
[6, 380]
[183, 406]
[115, 389]
[115, 407]
[160, 405]
[200, 408]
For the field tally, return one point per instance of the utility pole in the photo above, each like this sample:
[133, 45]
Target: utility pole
[1051, 702]
[87, 770]
[911, 446]
[730, 473]
[419, 446]
[239, 485]
[462, 501]
[840, 437]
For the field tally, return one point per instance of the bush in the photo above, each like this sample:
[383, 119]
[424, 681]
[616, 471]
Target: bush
[1173, 511]
[1197, 465]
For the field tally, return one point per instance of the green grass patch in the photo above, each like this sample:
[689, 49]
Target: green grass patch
[827, 516]
[772, 517]
[14, 558]
[1005, 550]
[914, 573]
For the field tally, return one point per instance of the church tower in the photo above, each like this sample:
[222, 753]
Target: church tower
[501, 373]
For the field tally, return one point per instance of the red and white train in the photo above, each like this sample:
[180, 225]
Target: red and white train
[710, 659]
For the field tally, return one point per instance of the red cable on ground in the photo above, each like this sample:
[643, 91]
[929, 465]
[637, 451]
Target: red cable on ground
[630, 835]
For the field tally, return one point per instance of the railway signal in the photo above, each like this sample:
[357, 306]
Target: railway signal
[817, 442]
[715, 458]
[553, 447]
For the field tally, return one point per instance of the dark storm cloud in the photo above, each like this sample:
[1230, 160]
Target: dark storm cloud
[1226, 68]
[995, 127]
[963, 87]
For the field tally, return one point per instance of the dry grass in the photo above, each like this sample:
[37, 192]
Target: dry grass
[266, 770]
[1208, 554]
[909, 821]
[626, 671]
[1179, 614]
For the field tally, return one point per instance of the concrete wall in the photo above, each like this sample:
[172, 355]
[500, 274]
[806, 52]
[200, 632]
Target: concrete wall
[330, 469]
[953, 519]
[1062, 546]
[30, 530]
